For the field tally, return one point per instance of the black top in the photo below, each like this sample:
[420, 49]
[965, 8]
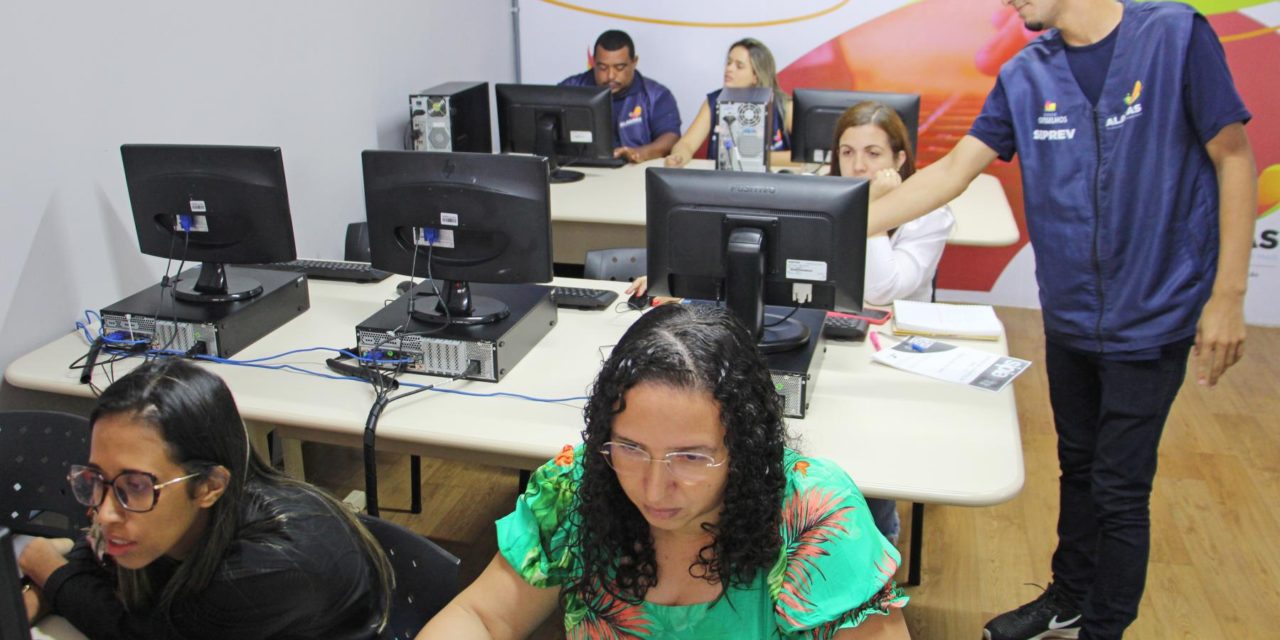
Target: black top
[295, 571]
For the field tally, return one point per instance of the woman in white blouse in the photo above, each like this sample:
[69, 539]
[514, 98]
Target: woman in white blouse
[871, 142]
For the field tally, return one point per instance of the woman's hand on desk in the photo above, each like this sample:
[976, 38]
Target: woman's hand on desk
[677, 158]
[42, 557]
[638, 286]
[34, 601]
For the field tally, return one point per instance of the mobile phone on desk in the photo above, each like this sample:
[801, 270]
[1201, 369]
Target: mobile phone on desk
[870, 314]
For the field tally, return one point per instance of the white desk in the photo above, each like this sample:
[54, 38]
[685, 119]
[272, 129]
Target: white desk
[607, 209]
[900, 436]
[56, 627]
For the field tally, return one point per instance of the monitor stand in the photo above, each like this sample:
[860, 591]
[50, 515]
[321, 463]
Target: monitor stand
[214, 286]
[779, 333]
[774, 332]
[544, 144]
[456, 305]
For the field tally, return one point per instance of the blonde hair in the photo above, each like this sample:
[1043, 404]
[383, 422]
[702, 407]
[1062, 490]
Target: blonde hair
[765, 68]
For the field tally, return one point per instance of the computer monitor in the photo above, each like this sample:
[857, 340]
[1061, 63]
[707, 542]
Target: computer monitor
[217, 205]
[562, 124]
[458, 218]
[13, 612]
[751, 239]
[816, 112]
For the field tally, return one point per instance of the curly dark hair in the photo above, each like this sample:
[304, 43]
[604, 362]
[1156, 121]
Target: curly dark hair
[687, 347]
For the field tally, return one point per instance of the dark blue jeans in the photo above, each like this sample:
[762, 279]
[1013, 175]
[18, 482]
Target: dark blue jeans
[1109, 416]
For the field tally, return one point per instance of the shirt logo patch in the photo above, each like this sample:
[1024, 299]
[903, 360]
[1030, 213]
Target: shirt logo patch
[1132, 97]
[1050, 115]
[1134, 107]
[1053, 134]
[633, 117]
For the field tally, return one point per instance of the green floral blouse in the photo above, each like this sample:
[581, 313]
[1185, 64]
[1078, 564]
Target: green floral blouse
[834, 568]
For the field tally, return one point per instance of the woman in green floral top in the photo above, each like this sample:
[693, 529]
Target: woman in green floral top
[737, 537]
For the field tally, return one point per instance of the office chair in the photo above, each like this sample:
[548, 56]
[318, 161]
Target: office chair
[426, 577]
[36, 449]
[356, 249]
[615, 264]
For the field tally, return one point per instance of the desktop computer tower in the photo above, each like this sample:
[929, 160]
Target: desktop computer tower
[795, 372]
[453, 116]
[745, 129]
[219, 329]
[450, 351]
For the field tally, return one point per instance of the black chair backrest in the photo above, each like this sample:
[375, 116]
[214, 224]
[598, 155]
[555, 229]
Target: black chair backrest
[426, 577]
[357, 245]
[36, 449]
[615, 264]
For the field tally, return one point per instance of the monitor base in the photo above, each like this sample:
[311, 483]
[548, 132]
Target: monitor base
[787, 335]
[561, 176]
[238, 288]
[484, 310]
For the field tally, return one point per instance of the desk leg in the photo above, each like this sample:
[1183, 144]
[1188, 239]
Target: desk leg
[292, 451]
[290, 448]
[917, 542]
[258, 433]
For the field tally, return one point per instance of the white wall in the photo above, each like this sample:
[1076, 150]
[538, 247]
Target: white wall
[322, 79]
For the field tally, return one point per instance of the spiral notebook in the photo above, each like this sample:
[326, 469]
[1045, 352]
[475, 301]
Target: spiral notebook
[940, 320]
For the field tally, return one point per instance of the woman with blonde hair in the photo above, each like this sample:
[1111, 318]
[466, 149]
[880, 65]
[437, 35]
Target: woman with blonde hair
[748, 64]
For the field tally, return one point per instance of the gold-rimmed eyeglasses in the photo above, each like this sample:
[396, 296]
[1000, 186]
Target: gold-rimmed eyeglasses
[686, 466]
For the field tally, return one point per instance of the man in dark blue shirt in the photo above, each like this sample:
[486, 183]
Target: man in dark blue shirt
[647, 121]
[1140, 191]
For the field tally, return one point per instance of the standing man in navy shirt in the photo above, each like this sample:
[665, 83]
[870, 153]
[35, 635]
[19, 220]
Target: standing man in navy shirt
[647, 121]
[1140, 191]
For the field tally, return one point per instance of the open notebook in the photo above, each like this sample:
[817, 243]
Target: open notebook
[939, 320]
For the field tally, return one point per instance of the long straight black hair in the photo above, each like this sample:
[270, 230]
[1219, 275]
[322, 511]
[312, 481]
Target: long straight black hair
[196, 416]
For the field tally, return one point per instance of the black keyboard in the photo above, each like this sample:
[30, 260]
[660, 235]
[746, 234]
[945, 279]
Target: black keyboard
[580, 298]
[607, 163]
[844, 328]
[330, 270]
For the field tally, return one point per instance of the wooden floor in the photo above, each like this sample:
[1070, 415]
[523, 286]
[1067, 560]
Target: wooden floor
[1215, 565]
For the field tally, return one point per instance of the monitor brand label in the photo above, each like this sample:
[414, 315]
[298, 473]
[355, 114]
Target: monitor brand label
[811, 270]
[749, 188]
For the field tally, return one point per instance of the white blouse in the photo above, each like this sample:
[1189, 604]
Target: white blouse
[902, 267]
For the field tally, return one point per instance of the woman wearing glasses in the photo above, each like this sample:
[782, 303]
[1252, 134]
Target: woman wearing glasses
[683, 514]
[194, 537]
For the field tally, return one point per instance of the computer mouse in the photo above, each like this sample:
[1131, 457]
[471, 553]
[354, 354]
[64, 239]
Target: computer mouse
[404, 287]
[785, 171]
[640, 302]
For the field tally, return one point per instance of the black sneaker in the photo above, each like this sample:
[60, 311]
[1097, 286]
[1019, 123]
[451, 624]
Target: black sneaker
[1053, 615]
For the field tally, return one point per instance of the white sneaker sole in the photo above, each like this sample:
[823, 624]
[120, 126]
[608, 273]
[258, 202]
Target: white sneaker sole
[1052, 633]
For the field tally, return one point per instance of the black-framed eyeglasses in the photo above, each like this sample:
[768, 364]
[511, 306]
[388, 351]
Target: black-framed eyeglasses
[136, 491]
[686, 466]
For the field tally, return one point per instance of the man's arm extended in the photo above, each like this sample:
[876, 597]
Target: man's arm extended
[931, 187]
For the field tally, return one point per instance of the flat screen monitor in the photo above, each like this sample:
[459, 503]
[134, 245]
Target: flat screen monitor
[218, 205]
[751, 239]
[816, 112]
[562, 124]
[457, 218]
[13, 613]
